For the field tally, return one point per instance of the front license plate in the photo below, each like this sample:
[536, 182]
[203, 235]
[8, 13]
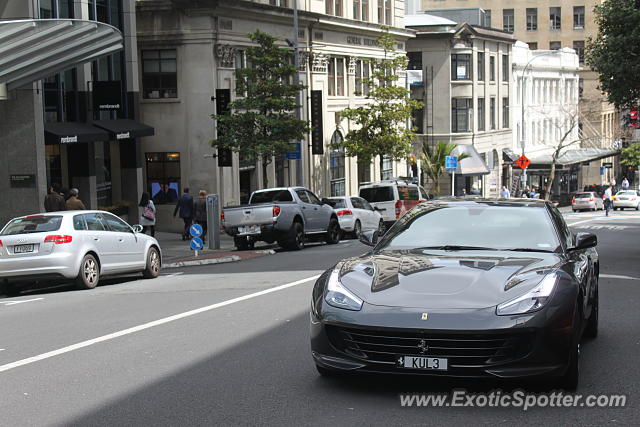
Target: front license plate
[253, 229]
[425, 363]
[22, 249]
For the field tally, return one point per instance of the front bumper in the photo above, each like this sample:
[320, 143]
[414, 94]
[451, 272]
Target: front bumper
[476, 343]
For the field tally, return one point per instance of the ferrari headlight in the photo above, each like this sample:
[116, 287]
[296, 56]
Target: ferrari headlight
[532, 301]
[338, 296]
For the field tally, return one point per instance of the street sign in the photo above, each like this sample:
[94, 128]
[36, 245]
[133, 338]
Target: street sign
[602, 170]
[296, 153]
[616, 144]
[523, 162]
[196, 244]
[451, 163]
[195, 230]
[608, 165]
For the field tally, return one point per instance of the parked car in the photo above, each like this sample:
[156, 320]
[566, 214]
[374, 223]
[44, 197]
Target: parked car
[80, 245]
[356, 215]
[440, 295]
[626, 199]
[287, 215]
[392, 198]
[587, 200]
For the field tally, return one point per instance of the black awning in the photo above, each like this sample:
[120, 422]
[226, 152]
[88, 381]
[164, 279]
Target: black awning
[72, 132]
[508, 156]
[124, 128]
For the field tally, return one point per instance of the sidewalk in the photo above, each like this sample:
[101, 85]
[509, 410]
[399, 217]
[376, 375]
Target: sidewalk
[177, 253]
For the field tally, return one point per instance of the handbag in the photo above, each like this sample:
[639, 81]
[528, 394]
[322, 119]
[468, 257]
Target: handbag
[148, 213]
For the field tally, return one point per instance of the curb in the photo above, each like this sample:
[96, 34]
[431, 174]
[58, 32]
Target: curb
[208, 261]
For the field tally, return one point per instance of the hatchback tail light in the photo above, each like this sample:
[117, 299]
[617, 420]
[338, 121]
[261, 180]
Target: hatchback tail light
[398, 208]
[222, 216]
[591, 199]
[573, 200]
[0, 243]
[58, 239]
[344, 212]
[276, 211]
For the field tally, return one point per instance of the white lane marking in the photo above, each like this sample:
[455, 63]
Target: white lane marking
[173, 274]
[580, 222]
[616, 276]
[148, 325]
[20, 301]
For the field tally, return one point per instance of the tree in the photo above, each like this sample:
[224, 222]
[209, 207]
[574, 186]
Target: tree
[566, 129]
[631, 155]
[262, 123]
[380, 125]
[615, 52]
[433, 160]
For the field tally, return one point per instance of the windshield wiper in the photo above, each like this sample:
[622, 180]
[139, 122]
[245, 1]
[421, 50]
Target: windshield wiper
[458, 248]
[528, 250]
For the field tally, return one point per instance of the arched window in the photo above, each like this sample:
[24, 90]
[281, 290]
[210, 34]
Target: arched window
[336, 166]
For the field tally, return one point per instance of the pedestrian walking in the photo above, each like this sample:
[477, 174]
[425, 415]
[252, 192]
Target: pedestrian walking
[625, 184]
[504, 193]
[148, 217]
[73, 202]
[53, 201]
[200, 212]
[184, 207]
[608, 200]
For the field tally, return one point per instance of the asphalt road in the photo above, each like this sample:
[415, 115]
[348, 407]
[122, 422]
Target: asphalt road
[228, 345]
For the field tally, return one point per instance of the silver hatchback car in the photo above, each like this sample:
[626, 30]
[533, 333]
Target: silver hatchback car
[80, 245]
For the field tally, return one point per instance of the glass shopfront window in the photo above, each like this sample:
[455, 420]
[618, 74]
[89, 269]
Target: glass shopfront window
[336, 166]
[163, 177]
[102, 151]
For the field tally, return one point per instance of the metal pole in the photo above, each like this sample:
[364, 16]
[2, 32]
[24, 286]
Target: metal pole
[453, 183]
[296, 81]
[213, 221]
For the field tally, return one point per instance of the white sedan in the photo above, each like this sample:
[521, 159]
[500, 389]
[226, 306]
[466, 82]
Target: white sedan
[356, 215]
[626, 199]
[80, 245]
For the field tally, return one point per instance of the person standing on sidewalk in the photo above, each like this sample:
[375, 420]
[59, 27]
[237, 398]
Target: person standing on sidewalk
[53, 201]
[73, 202]
[200, 212]
[185, 208]
[625, 183]
[148, 217]
[504, 193]
[608, 200]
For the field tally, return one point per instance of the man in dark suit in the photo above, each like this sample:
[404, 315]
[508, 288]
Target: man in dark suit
[185, 208]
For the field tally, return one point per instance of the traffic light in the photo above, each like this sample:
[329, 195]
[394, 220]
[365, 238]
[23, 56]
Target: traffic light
[631, 119]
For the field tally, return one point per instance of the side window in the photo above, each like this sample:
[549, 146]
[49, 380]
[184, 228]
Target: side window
[357, 204]
[313, 198]
[565, 234]
[303, 196]
[79, 223]
[408, 193]
[366, 204]
[116, 224]
[425, 195]
[94, 222]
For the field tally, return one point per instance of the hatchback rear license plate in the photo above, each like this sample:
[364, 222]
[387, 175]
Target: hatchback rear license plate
[22, 249]
[425, 363]
[250, 229]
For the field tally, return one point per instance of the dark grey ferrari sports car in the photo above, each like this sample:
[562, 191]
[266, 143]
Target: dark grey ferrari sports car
[464, 288]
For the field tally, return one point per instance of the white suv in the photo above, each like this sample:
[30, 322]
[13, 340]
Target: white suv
[392, 198]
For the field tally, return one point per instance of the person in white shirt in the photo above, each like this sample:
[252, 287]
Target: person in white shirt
[625, 184]
[504, 193]
[608, 200]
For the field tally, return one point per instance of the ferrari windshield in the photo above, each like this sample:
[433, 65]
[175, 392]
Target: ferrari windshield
[466, 226]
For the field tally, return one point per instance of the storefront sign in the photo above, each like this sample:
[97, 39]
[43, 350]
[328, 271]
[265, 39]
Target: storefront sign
[107, 96]
[361, 41]
[68, 139]
[317, 134]
[123, 135]
[22, 181]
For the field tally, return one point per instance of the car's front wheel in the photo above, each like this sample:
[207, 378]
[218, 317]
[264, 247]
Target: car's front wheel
[89, 274]
[333, 232]
[591, 331]
[357, 229]
[152, 270]
[569, 381]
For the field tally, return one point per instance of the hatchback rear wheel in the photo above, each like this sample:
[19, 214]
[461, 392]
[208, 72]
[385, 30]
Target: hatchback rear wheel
[152, 270]
[89, 274]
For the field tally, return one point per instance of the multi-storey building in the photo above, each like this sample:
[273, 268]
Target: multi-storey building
[190, 51]
[553, 24]
[463, 77]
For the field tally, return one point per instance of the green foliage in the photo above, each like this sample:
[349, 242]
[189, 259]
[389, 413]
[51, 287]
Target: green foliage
[262, 123]
[631, 156]
[433, 160]
[380, 125]
[615, 52]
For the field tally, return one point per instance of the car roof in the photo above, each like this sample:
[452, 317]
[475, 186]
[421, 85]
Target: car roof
[516, 202]
[62, 213]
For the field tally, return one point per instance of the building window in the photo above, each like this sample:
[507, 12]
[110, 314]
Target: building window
[481, 66]
[578, 17]
[492, 68]
[492, 113]
[555, 18]
[554, 45]
[487, 18]
[505, 113]
[361, 10]
[417, 120]
[334, 7]
[384, 12]
[460, 109]
[532, 19]
[507, 20]
[335, 75]
[159, 74]
[281, 3]
[505, 68]
[163, 177]
[581, 88]
[481, 114]
[460, 66]
[56, 9]
[533, 45]
[387, 167]
[578, 46]
[363, 73]
[415, 60]
[336, 166]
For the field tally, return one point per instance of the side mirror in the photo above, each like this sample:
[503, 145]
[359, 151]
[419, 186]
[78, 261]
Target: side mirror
[369, 238]
[585, 241]
[137, 228]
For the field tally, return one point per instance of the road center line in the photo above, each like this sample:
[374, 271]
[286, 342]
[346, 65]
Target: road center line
[148, 325]
[580, 222]
[20, 301]
[615, 276]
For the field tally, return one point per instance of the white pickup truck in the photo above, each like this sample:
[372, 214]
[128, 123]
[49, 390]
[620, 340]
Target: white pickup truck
[288, 215]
